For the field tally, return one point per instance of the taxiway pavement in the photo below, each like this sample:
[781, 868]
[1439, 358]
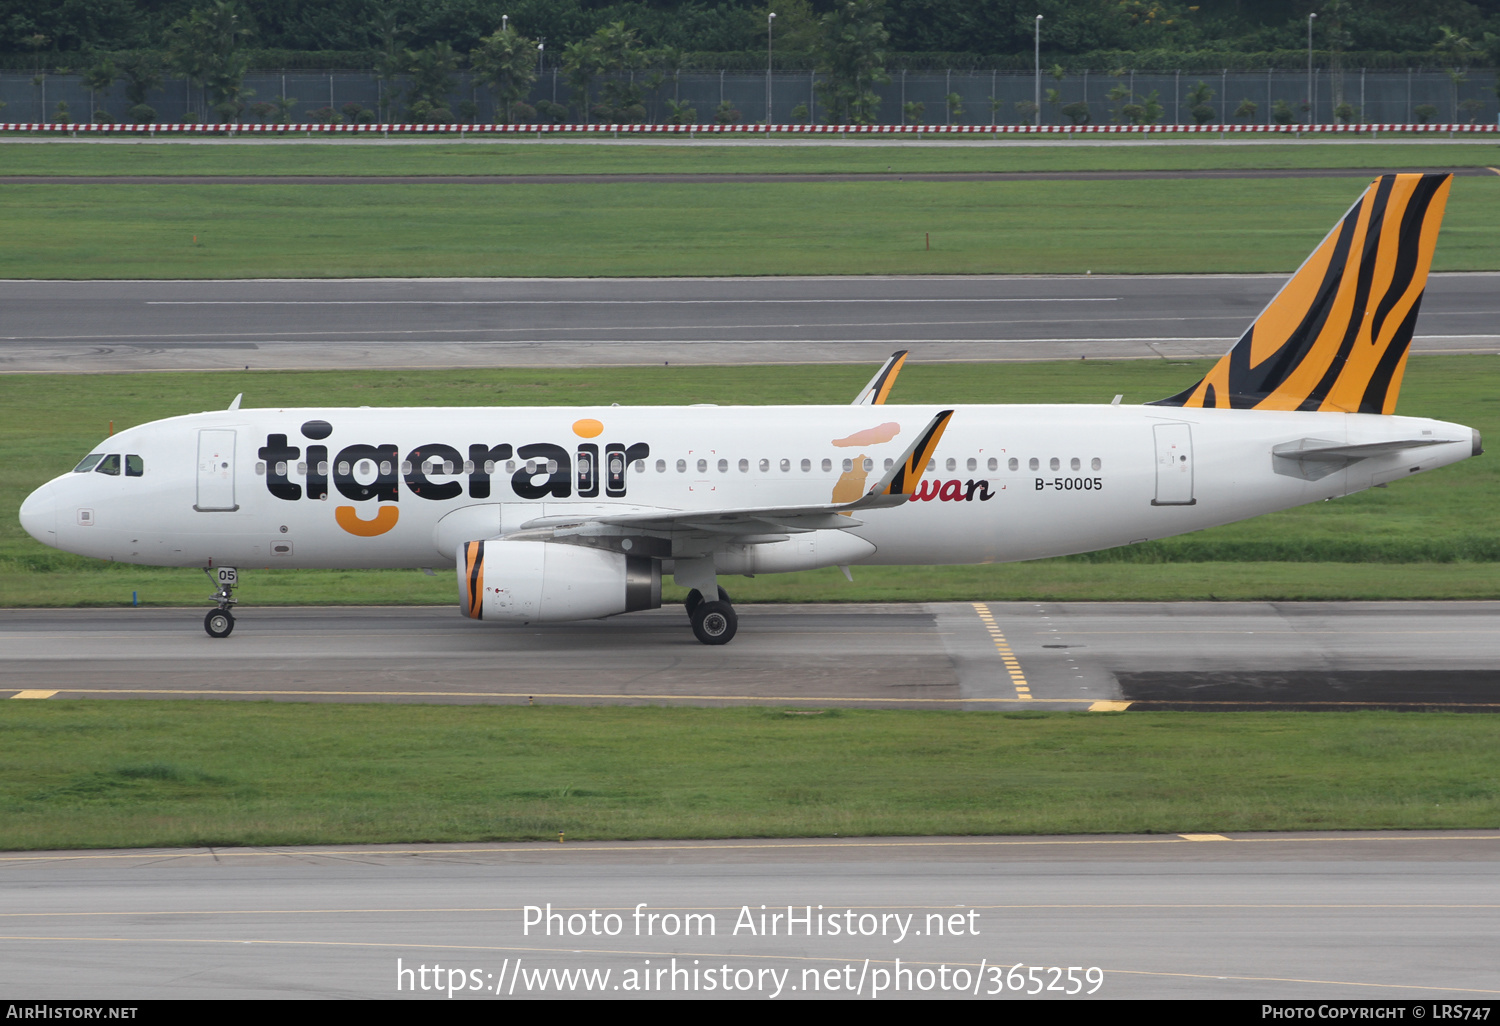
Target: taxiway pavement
[1100, 656]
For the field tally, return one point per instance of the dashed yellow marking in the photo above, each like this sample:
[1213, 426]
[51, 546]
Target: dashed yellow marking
[1109, 706]
[1203, 837]
[1494, 169]
[1007, 655]
[33, 694]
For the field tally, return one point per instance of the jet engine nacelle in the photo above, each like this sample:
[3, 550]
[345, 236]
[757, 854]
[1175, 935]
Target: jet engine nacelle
[537, 582]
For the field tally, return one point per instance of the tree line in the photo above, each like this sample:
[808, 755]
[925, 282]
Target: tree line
[417, 51]
[994, 28]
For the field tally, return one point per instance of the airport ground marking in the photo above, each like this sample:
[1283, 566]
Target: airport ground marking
[1007, 654]
[1092, 704]
[822, 699]
[33, 694]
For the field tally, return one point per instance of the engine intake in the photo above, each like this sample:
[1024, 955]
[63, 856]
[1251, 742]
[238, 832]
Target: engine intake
[541, 582]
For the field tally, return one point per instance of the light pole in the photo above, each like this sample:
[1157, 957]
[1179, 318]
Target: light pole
[1037, 115]
[1310, 18]
[770, 21]
[504, 23]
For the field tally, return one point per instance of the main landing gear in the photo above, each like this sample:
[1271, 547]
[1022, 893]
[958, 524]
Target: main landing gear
[220, 622]
[714, 623]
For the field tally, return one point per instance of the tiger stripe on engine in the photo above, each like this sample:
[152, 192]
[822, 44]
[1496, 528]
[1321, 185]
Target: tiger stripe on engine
[472, 582]
[1336, 336]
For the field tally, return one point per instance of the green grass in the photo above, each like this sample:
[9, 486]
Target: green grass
[581, 230]
[1433, 537]
[351, 157]
[170, 774]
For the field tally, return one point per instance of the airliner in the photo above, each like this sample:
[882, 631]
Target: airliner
[557, 514]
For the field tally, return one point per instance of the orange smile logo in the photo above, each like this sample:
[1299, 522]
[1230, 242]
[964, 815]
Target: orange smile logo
[348, 518]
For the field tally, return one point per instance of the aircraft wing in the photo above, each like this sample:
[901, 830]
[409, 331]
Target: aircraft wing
[760, 523]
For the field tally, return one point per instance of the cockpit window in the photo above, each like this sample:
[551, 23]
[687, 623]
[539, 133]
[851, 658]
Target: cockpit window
[109, 465]
[88, 463]
[134, 467]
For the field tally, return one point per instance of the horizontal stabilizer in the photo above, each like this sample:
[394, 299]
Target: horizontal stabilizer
[1315, 458]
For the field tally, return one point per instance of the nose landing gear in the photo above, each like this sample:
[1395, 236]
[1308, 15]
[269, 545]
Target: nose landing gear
[220, 622]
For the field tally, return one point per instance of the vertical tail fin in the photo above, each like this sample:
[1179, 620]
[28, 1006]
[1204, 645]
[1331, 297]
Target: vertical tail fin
[1335, 337]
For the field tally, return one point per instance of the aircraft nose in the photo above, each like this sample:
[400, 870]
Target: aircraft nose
[39, 515]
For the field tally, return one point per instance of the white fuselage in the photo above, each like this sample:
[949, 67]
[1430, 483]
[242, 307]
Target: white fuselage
[247, 487]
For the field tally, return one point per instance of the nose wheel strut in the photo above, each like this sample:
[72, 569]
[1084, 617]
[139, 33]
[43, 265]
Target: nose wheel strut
[219, 622]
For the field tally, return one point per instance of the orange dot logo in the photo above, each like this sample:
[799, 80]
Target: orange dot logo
[588, 428]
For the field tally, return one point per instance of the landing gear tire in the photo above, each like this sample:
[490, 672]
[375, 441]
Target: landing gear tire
[695, 597]
[218, 623]
[714, 623]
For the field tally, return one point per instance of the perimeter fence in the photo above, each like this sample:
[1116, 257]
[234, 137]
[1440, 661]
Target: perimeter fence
[955, 98]
[693, 131]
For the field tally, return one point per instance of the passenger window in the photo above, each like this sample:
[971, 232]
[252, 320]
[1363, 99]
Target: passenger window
[806, 466]
[827, 465]
[89, 462]
[765, 465]
[1054, 463]
[869, 464]
[931, 465]
[703, 466]
[1034, 463]
[1014, 464]
[952, 463]
[973, 464]
[889, 463]
[723, 466]
[661, 466]
[1094, 463]
[109, 465]
[995, 464]
[786, 465]
[744, 466]
[640, 466]
[1075, 464]
[682, 466]
[848, 465]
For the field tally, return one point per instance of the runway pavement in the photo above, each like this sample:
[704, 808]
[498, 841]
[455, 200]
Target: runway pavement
[1075, 656]
[61, 326]
[1307, 917]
